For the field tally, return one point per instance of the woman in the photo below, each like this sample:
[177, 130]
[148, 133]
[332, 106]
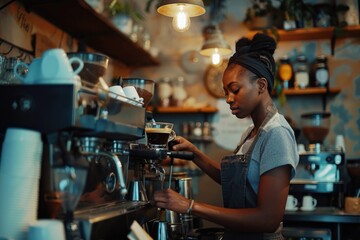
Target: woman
[255, 179]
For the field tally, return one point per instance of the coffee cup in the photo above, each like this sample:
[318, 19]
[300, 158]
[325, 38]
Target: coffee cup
[159, 134]
[133, 95]
[291, 202]
[32, 73]
[117, 92]
[55, 67]
[308, 203]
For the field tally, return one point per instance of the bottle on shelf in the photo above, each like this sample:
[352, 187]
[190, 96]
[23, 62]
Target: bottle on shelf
[286, 72]
[319, 74]
[179, 93]
[164, 92]
[302, 79]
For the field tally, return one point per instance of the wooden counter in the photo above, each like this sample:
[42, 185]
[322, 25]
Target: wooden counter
[339, 221]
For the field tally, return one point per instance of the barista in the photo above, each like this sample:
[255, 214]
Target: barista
[255, 179]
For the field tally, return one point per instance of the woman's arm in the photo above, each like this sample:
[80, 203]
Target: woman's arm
[205, 163]
[266, 217]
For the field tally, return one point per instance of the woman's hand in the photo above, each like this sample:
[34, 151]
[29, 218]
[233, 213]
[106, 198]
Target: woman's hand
[171, 200]
[181, 144]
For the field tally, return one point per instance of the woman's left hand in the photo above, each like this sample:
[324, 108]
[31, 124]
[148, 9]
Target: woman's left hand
[171, 200]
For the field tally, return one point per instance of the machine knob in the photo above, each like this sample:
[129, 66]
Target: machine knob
[110, 183]
[337, 159]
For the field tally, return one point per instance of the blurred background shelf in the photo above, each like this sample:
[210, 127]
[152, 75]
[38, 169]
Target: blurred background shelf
[310, 34]
[319, 33]
[208, 109]
[310, 91]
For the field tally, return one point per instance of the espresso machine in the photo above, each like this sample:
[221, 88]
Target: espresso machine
[320, 169]
[93, 145]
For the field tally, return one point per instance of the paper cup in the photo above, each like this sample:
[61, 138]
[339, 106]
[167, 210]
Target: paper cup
[22, 134]
[46, 229]
[21, 160]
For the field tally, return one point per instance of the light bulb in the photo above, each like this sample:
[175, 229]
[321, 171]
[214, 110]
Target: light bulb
[181, 21]
[216, 58]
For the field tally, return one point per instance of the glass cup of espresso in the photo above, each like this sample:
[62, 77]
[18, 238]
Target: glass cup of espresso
[159, 134]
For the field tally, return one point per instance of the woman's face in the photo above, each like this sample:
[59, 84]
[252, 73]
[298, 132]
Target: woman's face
[241, 90]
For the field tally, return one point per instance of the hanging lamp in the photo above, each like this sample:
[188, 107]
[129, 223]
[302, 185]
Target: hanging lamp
[181, 11]
[215, 45]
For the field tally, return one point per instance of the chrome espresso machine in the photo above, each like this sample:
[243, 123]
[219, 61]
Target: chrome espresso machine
[94, 150]
[321, 167]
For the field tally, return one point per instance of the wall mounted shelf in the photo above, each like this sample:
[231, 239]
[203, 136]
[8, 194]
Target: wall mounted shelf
[310, 91]
[308, 34]
[208, 109]
[81, 21]
[323, 92]
[311, 34]
[319, 33]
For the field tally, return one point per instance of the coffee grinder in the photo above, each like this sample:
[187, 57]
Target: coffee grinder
[319, 169]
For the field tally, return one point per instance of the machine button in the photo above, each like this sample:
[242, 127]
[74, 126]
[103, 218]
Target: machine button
[329, 159]
[25, 104]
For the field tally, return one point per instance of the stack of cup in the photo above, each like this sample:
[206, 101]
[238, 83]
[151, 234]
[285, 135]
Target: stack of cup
[20, 169]
[46, 229]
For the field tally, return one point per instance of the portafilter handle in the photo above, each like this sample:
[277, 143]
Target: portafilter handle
[160, 154]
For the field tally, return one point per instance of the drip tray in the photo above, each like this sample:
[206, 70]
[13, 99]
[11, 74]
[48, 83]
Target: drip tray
[112, 220]
[300, 185]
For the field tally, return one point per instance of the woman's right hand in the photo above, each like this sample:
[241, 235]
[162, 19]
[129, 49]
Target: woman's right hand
[206, 164]
[182, 144]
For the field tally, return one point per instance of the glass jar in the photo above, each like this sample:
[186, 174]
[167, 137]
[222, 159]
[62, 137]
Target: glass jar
[2, 66]
[302, 78]
[286, 72]
[164, 91]
[179, 93]
[9, 76]
[320, 72]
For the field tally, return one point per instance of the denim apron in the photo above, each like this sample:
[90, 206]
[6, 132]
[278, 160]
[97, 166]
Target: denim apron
[236, 190]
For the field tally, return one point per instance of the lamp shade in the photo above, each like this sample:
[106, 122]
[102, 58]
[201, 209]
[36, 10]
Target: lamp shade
[170, 8]
[215, 42]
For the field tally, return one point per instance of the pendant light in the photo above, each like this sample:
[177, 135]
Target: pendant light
[215, 45]
[181, 11]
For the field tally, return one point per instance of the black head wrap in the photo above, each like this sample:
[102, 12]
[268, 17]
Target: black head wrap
[256, 55]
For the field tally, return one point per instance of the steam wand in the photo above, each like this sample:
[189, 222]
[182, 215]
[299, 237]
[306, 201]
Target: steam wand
[117, 162]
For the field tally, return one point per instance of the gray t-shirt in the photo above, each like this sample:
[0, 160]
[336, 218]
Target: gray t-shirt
[276, 146]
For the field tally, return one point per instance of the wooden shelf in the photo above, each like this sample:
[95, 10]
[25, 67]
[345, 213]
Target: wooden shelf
[208, 109]
[81, 21]
[310, 91]
[319, 33]
[307, 34]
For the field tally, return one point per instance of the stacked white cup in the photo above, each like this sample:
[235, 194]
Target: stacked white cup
[46, 229]
[20, 170]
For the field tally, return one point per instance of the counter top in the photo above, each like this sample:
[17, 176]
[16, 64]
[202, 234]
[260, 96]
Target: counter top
[322, 214]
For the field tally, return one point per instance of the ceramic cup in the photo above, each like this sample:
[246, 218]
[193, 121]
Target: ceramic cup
[118, 93]
[130, 92]
[32, 73]
[55, 67]
[291, 202]
[308, 203]
[301, 148]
